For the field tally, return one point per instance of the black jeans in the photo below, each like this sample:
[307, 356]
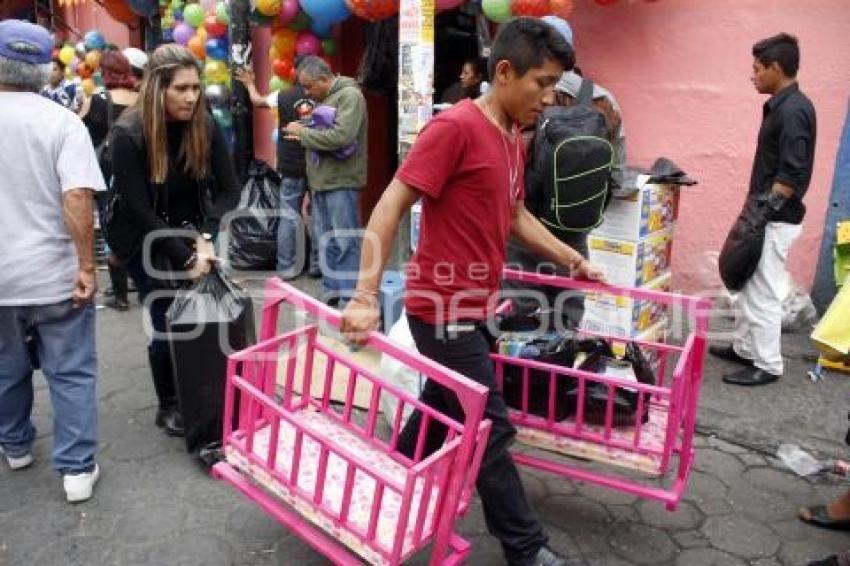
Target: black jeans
[506, 510]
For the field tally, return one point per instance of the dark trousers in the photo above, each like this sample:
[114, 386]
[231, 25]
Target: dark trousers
[506, 510]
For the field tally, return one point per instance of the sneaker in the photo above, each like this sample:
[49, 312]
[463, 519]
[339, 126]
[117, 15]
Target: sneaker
[18, 463]
[79, 487]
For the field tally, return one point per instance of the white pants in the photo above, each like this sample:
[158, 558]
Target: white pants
[758, 333]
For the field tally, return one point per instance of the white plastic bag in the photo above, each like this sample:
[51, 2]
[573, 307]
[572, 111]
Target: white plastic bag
[399, 374]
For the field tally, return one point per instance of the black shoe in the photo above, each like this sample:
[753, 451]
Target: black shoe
[750, 377]
[170, 421]
[120, 304]
[729, 354]
[828, 561]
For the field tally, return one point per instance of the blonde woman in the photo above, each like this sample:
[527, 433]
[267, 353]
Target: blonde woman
[172, 169]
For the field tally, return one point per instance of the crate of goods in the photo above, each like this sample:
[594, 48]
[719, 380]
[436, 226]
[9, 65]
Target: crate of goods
[624, 316]
[632, 264]
[647, 210]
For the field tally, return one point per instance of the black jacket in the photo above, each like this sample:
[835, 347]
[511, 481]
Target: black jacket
[145, 207]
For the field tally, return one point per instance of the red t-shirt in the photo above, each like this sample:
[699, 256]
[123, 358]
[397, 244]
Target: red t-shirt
[470, 175]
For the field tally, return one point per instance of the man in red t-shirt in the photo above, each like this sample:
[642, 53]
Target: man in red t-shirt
[467, 167]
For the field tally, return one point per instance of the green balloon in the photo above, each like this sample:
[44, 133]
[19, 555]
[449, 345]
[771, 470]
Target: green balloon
[275, 83]
[301, 22]
[193, 14]
[329, 47]
[177, 4]
[222, 16]
[498, 11]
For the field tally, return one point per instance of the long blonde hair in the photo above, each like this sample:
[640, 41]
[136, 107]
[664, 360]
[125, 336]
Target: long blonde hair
[163, 63]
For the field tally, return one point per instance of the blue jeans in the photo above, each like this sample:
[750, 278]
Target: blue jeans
[64, 341]
[290, 236]
[335, 214]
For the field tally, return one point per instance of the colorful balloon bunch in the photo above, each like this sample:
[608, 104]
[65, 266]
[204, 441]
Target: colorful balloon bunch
[295, 32]
[83, 60]
[202, 26]
[501, 11]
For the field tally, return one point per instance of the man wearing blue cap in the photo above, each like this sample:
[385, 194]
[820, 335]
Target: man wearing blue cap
[47, 269]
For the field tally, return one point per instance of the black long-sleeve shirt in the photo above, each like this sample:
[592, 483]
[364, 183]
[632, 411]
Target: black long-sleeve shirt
[147, 205]
[786, 150]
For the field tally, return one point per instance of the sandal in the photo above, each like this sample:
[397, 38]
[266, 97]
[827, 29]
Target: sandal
[819, 517]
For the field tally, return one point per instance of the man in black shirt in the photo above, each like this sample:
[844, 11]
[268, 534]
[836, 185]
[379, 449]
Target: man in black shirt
[290, 104]
[781, 173]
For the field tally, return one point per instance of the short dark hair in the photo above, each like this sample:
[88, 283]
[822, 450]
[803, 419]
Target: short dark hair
[60, 63]
[526, 43]
[782, 49]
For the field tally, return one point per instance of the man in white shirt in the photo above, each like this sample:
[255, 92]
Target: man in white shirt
[47, 268]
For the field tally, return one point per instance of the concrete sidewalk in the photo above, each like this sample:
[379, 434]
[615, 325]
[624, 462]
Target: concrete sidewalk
[154, 505]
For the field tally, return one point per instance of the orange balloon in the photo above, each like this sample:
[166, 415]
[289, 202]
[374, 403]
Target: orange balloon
[562, 8]
[273, 53]
[197, 47]
[84, 70]
[201, 32]
[93, 59]
[283, 41]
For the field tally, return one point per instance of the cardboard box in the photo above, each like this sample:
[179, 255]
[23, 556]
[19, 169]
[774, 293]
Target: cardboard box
[624, 316]
[650, 209]
[632, 264]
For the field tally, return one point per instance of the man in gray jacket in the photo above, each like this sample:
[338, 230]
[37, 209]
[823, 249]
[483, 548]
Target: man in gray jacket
[336, 171]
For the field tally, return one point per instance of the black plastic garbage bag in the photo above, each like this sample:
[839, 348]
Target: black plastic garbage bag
[742, 249]
[206, 323]
[253, 232]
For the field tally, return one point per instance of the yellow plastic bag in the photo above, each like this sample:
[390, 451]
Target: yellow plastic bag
[832, 334]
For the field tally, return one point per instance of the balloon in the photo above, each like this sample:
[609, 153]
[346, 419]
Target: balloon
[301, 22]
[94, 40]
[329, 47]
[215, 72]
[177, 14]
[448, 4]
[183, 33]
[217, 95]
[217, 48]
[196, 46]
[66, 54]
[307, 44]
[214, 29]
[268, 8]
[562, 8]
[274, 53]
[193, 15]
[84, 71]
[202, 33]
[208, 6]
[284, 41]
[80, 48]
[530, 8]
[329, 11]
[74, 65]
[498, 11]
[88, 86]
[93, 59]
[222, 15]
[373, 10]
[322, 30]
[282, 68]
[276, 84]
[288, 11]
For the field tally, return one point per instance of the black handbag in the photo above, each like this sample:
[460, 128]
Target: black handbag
[742, 249]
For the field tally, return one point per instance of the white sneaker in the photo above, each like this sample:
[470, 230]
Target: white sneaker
[79, 487]
[18, 463]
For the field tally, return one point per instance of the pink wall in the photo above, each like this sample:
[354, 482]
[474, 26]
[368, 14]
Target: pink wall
[681, 71]
[91, 15]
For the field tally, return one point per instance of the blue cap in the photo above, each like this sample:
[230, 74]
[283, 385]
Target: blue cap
[25, 42]
[561, 26]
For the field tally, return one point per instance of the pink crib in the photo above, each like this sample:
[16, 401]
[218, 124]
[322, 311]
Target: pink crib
[646, 451]
[324, 469]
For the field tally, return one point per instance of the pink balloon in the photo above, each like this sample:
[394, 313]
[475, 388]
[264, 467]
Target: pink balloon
[288, 11]
[448, 4]
[307, 44]
[208, 6]
[183, 33]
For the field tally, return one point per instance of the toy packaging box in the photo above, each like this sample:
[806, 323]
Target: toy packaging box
[632, 264]
[649, 209]
[624, 316]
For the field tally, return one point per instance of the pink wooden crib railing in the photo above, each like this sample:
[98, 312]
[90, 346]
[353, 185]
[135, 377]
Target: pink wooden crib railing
[649, 448]
[323, 468]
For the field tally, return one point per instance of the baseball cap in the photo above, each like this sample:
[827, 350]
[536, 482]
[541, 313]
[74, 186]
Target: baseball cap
[25, 42]
[138, 59]
[561, 26]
